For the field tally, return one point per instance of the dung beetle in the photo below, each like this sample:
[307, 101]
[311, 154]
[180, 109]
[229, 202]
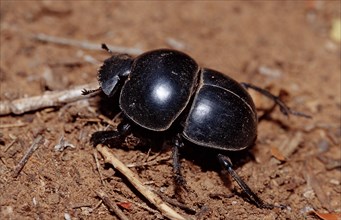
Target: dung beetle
[164, 87]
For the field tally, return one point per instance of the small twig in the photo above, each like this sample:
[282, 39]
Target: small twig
[39, 140]
[111, 206]
[108, 120]
[48, 99]
[84, 44]
[136, 182]
[77, 206]
[97, 166]
[19, 124]
[175, 203]
[144, 207]
[10, 144]
[97, 205]
[314, 184]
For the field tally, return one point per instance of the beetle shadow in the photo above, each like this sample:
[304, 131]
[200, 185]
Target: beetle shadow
[207, 159]
[108, 106]
[267, 116]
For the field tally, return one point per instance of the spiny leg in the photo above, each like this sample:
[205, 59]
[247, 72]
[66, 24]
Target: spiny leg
[227, 164]
[90, 91]
[107, 137]
[177, 143]
[283, 107]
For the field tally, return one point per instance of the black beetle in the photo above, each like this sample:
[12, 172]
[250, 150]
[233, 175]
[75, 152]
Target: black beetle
[159, 86]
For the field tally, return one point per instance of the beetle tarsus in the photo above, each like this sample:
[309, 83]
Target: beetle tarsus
[227, 165]
[283, 107]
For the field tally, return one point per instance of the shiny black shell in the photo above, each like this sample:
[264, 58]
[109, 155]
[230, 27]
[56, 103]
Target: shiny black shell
[159, 87]
[222, 114]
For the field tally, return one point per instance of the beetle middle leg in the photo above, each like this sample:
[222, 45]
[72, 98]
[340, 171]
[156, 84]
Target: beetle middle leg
[283, 107]
[109, 137]
[177, 143]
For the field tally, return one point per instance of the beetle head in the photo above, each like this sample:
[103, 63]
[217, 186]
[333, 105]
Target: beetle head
[113, 72]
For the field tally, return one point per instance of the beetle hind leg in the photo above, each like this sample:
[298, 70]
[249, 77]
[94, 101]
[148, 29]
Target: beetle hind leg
[227, 165]
[283, 107]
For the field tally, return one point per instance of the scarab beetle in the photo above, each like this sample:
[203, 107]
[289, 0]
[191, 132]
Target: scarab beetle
[159, 87]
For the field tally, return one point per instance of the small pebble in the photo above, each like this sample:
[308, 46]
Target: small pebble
[270, 72]
[67, 216]
[323, 146]
[334, 182]
[306, 209]
[309, 194]
[34, 201]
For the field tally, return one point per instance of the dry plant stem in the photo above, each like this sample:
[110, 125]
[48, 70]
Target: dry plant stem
[175, 203]
[145, 207]
[19, 124]
[314, 183]
[84, 44]
[134, 180]
[48, 99]
[97, 166]
[39, 140]
[111, 206]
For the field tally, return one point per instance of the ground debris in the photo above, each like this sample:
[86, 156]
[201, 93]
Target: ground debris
[35, 144]
[48, 99]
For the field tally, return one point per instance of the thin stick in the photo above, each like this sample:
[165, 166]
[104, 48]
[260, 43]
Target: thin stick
[144, 207]
[10, 145]
[84, 44]
[48, 99]
[98, 170]
[36, 143]
[134, 180]
[19, 124]
[111, 206]
[175, 203]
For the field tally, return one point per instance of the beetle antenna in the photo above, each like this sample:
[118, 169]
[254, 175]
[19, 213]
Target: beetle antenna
[227, 165]
[105, 47]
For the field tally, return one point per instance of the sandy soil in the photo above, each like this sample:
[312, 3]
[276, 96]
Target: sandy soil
[279, 46]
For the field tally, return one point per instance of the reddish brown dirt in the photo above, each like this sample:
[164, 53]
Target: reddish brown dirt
[274, 45]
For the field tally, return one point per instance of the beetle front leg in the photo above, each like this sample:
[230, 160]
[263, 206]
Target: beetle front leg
[177, 143]
[109, 137]
[283, 107]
